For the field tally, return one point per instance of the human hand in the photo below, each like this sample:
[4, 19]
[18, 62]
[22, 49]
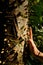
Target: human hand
[31, 43]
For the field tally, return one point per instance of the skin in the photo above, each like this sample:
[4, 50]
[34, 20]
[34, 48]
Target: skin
[38, 54]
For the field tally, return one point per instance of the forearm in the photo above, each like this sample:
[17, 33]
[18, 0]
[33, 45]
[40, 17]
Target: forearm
[38, 54]
[34, 50]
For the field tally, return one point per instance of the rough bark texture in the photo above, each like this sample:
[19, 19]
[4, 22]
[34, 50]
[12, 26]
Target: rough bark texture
[16, 27]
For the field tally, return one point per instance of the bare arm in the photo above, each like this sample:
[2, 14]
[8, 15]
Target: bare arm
[33, 48]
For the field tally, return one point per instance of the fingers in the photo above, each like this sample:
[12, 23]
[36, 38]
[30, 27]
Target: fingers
[30, 33]
[31, 36]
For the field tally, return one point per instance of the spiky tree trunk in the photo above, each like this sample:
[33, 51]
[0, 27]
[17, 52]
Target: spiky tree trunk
[14, 17]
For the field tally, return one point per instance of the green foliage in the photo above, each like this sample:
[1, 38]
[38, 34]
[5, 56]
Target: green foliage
[36, 22]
